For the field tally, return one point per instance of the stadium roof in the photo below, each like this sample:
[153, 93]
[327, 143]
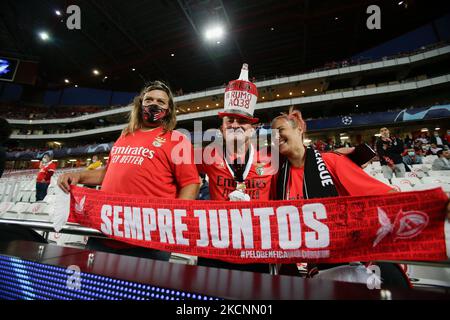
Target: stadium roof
[164, 39]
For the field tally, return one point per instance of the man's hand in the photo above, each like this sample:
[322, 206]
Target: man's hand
[67, 179]
[237, 195]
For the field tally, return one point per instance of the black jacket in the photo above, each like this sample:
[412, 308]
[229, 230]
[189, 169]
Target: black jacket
[393, 151]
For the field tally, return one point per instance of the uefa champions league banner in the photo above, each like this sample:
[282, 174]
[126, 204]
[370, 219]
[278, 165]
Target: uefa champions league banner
[397, 226]
[379, 118]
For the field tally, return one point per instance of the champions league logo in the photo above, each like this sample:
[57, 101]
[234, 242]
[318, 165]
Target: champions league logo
[4, 65]
[405, 115]
[347, 120]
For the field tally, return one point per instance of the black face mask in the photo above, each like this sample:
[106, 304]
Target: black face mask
[153, 113]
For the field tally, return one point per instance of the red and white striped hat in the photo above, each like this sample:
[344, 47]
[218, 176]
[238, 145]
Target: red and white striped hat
[240, 97]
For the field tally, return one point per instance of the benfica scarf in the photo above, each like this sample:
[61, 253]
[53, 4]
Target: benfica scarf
[396, 226]
[315, 172]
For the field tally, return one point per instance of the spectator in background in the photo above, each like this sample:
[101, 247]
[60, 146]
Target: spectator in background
[423, 138]
[447, 138]
[5, 132]
[204, 189]
[47, 169]
[434, 149]
[443, 160]
[389, 150]
[412, 158]
[437, 140]
[408, 141]
[95, 164]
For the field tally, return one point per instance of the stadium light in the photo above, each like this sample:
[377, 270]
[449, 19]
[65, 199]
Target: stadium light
[96, 72]
[214, 33]
[44, 36]
[66, 80]
[57, 12]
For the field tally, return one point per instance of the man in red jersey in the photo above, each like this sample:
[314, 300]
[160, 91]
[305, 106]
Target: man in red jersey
[236, 169]
[140, 162]
[46, 170]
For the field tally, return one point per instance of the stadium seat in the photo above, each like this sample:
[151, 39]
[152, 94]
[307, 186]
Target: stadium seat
[402, 186]
[38, 208]
[439, 173]
[429, 159]
[409, 181]
[431, 185]
[4, 207]
[19, 207]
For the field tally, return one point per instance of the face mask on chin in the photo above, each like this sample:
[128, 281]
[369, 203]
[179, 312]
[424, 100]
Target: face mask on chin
[153, 114]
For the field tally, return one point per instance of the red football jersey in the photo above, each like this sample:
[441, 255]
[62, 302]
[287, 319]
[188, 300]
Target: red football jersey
[222, 182]
[45, 173]
[142, 163]
[350, 180]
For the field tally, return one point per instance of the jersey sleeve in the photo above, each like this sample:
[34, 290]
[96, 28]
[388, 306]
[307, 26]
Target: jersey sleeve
[185, 171]
[354, 179]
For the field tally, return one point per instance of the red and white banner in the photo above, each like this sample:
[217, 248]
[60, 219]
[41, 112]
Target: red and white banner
[396, 226]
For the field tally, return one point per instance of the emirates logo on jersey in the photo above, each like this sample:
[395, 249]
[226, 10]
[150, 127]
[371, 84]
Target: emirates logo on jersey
[407, 225]
[159, 141]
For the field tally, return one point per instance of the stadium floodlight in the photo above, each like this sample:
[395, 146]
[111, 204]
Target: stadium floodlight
[44, 36]
[57, 12]
[214, 33]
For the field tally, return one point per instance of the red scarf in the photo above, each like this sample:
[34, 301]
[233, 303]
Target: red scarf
[396, 226]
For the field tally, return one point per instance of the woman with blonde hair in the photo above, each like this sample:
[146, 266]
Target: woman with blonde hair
[305, 173]
[141, 162]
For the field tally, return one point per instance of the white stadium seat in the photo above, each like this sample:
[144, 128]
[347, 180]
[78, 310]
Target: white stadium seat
[409, 181]
[402, 187]
[439, 173]
[4, 207]
[19, 207]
